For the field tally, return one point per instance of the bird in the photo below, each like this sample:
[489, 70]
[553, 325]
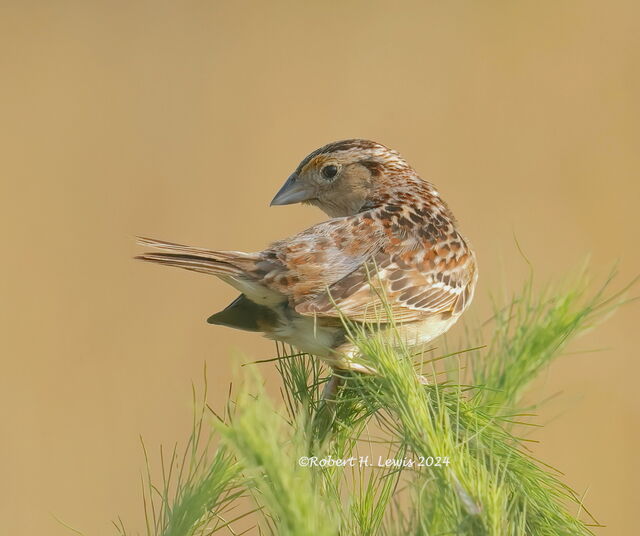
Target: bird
[390, 244]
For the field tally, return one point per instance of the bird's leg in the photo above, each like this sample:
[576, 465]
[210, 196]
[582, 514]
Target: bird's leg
[332, 386]
[364, 369]
[325, 416]
[341, 363]
[348, 364]
[346, 360]
[368, 370]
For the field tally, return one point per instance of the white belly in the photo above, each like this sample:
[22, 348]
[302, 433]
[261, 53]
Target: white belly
[306, 335]
[419, 333]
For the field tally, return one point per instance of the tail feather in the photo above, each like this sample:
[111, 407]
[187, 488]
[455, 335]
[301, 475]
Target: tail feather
[244, 314]
[194, 263]
[238, 256]
[242, 271]
[220, 263]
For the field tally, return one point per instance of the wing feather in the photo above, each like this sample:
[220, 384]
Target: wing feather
[410, 284]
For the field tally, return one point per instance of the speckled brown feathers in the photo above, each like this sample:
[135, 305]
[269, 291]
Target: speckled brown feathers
[391, 238]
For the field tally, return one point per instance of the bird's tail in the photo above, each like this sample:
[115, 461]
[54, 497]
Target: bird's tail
[219, 263]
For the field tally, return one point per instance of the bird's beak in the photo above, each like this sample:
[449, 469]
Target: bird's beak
[291, 192]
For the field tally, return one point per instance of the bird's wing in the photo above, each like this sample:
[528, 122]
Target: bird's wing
[319, 257]
[431, 277]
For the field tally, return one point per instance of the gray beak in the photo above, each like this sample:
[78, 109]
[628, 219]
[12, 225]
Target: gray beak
[291, 192]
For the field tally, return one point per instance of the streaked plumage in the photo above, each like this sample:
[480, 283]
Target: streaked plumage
[390, 234]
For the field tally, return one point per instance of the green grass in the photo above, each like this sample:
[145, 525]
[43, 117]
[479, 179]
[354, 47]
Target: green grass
[241, 471]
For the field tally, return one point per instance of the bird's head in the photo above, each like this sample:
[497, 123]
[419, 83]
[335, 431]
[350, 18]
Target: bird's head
[344, 177]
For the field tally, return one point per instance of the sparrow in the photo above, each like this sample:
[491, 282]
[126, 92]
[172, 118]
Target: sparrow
[392, 245]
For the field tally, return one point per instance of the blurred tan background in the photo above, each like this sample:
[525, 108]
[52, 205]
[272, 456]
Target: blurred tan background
[180, 120]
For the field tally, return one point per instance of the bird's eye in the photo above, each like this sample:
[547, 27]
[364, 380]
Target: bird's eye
[328, 172]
